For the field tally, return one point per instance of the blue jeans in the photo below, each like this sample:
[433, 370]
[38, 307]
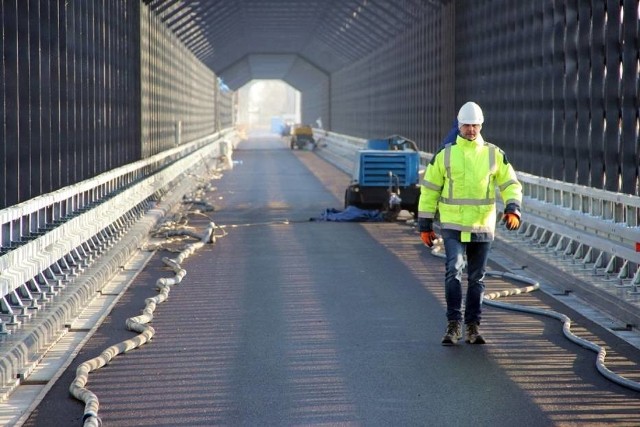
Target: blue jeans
[477, 255]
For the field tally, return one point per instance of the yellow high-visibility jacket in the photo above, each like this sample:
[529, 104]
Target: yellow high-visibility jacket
[460, 183]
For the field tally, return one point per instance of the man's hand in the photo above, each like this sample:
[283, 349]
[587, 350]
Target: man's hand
[428, 237]
[511, 218]
[511, 221]
[425, 227]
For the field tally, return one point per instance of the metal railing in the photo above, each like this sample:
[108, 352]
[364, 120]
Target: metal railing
[47, 239]
[591, 233]
[586, 231]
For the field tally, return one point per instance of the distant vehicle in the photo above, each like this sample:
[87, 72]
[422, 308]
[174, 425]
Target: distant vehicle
[301, 136]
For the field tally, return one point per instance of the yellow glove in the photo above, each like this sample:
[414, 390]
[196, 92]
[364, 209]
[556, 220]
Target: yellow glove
[511, 221]
[428, 237]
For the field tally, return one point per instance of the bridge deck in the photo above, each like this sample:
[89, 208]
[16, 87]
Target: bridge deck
[286, 321]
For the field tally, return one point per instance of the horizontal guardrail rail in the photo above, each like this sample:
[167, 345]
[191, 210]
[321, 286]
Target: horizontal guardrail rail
[43, 240]
[585, 231]
[592, 229]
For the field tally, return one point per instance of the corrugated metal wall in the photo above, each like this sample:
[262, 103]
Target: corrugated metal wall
[557, 80]
[178, 91]
[562, 96]
[226, 105]
[68, 86]
[403, 88]
[78, 79]
[315, 105]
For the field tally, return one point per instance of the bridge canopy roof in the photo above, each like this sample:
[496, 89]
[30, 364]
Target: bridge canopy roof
[241, 40]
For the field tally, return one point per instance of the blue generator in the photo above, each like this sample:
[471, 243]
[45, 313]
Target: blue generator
[386, 176]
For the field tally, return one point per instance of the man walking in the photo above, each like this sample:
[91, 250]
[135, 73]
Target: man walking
[460, 184]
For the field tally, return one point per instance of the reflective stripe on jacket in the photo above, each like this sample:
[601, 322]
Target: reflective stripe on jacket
[460, 183]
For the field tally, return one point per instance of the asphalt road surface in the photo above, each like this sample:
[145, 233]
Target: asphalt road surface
[286, 321]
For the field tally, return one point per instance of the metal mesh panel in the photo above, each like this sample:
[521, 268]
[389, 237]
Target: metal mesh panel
[630, 98]
[225, 105]
[404, 88]
[558, 82]
[178, 91]
[315, 105]
[68, 93]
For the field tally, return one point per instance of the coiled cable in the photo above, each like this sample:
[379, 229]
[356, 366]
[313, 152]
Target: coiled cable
[137, 324]
[490, 299]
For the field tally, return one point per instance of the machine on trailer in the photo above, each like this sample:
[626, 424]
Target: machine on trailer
[301, 136]
[386, 177]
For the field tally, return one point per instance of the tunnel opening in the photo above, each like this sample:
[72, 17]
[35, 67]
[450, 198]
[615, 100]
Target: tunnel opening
[265, 106]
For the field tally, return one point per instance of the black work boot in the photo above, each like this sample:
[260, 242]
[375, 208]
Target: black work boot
[453, 334]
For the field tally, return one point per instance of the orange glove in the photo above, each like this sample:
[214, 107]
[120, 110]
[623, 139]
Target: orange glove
[511, 221]
[428, 237]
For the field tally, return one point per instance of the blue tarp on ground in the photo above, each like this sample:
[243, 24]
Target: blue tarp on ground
[350, 214]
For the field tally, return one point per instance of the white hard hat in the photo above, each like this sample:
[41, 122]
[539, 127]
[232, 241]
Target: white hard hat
[470, 114]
